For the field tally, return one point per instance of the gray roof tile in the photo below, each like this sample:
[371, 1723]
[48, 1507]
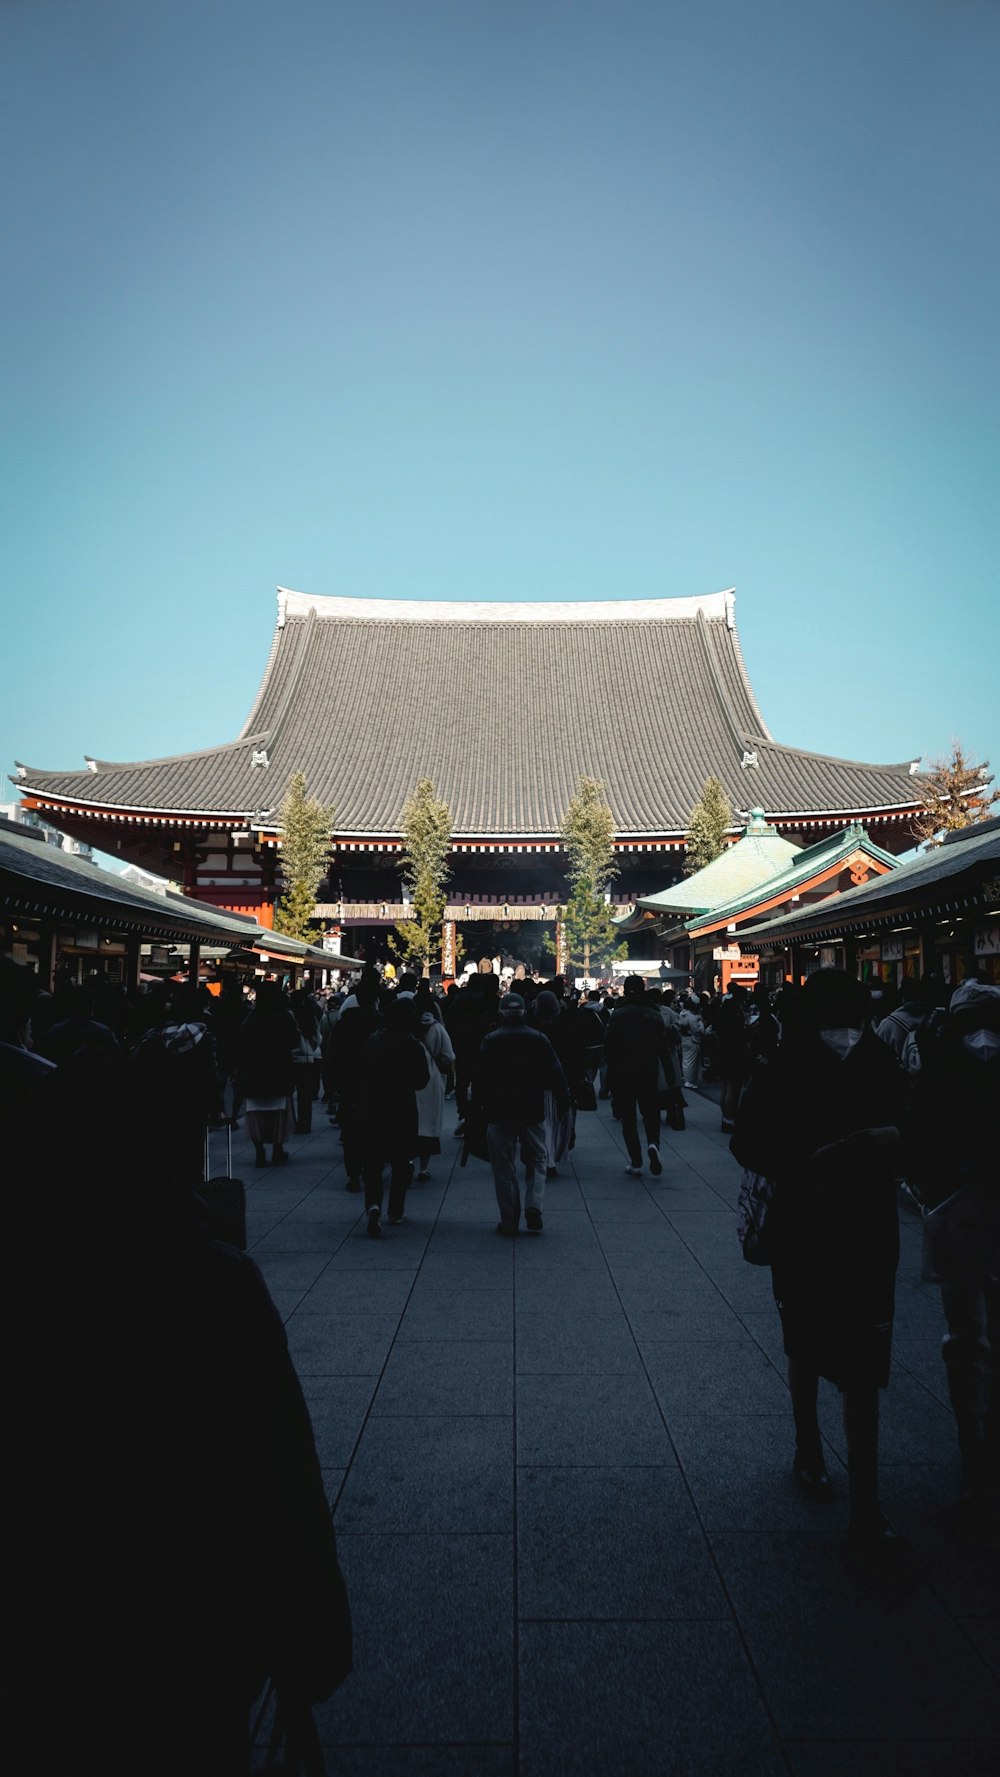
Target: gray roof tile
[504, 715]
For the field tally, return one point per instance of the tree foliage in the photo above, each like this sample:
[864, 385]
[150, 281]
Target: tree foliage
[956, 794]
[424, 864]
[588, 835]
[711, 819]
[306, 831]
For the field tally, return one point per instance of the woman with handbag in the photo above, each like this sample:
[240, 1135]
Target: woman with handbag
[822, 1121]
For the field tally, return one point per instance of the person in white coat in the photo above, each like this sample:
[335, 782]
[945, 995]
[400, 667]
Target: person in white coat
[692, 1030]
[431, 1098]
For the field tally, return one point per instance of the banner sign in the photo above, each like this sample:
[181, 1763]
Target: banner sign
[448, 949]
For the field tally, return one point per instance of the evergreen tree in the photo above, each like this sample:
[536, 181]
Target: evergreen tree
[426, 848]
[956, 794]
[588, 835]
[306, 830]
[711, 819]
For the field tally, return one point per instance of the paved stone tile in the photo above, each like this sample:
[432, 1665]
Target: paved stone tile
[602, 1420]
[569, 1294]
[340, 1344]
[333, 1480]
[337, 1407]
[741, 1475]
[641, 1700]
[372, 1291]
[448, 1376]
[424, 1761]
[461, 1313]
[714, 1382]
[671, 1324]
[400, 1249]
[432, 1661]
[894, 1758]
[548, 1345]
[818, 1630]
[287, 1271]
[431, 1474]
[612, 1543]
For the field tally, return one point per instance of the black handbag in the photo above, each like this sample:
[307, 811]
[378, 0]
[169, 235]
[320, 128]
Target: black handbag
[586, 1097]
[474, 1142]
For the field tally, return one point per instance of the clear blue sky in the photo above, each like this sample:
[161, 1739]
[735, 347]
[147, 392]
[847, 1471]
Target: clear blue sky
[494, 299]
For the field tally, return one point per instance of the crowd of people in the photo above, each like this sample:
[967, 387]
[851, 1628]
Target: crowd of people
[841, 1097]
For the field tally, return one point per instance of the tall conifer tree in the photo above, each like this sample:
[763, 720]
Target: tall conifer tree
[711, 819]
[306, 832]
[588, 834]
[424, 864]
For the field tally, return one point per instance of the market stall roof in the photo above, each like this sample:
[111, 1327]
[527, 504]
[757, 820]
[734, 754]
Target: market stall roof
[281, 948]
[42, 881]
[961, 875]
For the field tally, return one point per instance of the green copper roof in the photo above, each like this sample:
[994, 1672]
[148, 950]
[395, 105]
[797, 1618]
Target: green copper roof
[805, 864]
[761, 854]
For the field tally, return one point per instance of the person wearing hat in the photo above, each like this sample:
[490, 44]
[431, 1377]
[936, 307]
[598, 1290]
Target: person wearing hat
[515, 1068]
[821, 1120]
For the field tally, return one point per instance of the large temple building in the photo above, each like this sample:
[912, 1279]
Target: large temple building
[504, 707]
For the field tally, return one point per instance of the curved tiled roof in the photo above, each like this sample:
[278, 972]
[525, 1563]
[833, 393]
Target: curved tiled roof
[505, 708]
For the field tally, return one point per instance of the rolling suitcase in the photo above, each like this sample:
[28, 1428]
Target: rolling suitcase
[225, 1198]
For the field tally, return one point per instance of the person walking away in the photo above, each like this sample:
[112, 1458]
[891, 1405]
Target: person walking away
[468, 1016]
[821, 1121]
[515, 1068]
[394, 1068]
[636, 1048]
[348, 1047]
[559, 1026]
[430, 1098]
[327, 1024]
[732, 1051]
[952, 1165]
[265, 1071]
[692, 1028]
[306, 1058]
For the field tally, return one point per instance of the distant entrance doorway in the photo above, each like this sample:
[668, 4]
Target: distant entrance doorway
[528, 941]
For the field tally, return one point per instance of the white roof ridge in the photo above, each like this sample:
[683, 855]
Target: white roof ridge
[300, 604]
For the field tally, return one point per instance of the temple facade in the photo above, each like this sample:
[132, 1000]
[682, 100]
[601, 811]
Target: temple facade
[505, 708]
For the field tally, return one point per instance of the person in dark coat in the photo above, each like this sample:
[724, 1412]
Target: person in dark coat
[470, 1012]
[636, 1047]
[515, 1068]
[821, 1120]
[359, 1019]
[395, 1066]
[732, 1051]
[952, 1163]
[266, 1072]
[193, 1556]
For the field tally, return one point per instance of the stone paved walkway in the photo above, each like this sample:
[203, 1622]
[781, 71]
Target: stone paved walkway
[559, 1468]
